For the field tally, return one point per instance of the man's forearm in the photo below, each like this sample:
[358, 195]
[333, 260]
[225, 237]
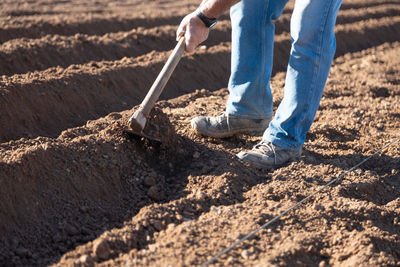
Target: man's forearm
[214, 8]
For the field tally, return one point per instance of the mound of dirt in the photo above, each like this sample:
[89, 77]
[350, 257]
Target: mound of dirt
[157, 128]
[66, 190]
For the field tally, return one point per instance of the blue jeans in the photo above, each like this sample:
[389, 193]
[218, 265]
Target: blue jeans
[313, 47]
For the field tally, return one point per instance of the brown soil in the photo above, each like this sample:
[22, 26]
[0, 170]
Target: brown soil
[78, 190]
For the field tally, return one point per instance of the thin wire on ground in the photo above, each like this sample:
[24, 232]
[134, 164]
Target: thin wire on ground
[295, 205]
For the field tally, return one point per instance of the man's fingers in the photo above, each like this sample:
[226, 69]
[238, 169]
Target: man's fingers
[190, 44]
[179, 32]
[179, 35]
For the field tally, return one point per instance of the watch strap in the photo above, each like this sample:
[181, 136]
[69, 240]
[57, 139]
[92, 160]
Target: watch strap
[209, 22]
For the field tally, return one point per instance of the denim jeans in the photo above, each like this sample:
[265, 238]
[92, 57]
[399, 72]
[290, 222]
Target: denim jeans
[313, 47]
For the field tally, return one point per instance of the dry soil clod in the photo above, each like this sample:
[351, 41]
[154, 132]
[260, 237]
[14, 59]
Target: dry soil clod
[101, 249]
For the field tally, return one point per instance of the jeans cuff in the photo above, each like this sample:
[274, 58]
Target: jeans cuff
[281, 143]
[249, 116]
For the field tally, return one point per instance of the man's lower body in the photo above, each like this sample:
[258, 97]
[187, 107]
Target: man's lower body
[250, 98]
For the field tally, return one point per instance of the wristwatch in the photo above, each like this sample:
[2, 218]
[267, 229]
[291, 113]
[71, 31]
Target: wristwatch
[209, 22]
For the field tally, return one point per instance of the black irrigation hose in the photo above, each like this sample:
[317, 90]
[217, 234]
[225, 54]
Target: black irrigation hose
[294, 206]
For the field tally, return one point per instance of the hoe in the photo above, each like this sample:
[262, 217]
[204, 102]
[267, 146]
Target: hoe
[138, 120]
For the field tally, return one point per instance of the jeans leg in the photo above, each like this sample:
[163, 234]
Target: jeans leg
[313, 48]
[251, 58]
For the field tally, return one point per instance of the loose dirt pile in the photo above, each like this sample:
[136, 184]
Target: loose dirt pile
[77, 190]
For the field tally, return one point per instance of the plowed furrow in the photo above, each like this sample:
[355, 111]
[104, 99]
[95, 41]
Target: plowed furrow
[357, 4]
[356, 15]
[38, 8]
[111, 86]
[349, 38]
[18, 13]
[348, 16]
[24, 55]
[58, 98]
[96, 26]
[364, 4]
[101, 23]
[110, 19]
[365, 34]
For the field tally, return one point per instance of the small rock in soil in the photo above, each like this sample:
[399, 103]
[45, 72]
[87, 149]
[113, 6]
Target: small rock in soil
[245, 254]
[149, 180]
[170, 227]
[85, 259]
[101, 249]
[200, 195]
[155, 193]
[71, 230]
[318, 207]
[157, 225]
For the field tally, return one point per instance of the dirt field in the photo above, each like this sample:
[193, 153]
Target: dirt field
[76, 190]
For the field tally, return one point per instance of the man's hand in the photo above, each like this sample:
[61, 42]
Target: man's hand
[194, 30]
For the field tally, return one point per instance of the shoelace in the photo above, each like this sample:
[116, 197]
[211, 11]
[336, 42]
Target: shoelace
[265, 147]
[222, 116]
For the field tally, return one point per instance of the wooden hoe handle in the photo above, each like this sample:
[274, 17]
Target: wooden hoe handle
[140, 116]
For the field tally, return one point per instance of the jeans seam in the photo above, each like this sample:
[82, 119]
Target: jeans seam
[318, 59]
[263, 51]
